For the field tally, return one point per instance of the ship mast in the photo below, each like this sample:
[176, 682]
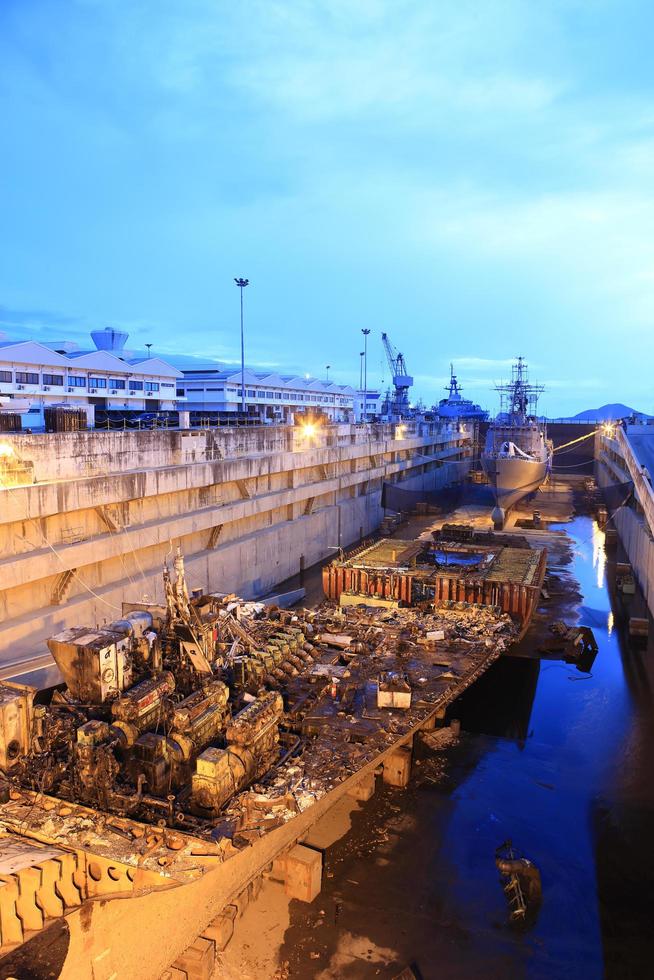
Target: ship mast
[519, 398]
[453, 389]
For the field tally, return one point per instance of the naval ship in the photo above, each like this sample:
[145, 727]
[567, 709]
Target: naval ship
[457, 407]
[517, 455]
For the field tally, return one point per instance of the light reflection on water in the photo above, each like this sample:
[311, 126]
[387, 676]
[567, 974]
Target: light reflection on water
[599, 553]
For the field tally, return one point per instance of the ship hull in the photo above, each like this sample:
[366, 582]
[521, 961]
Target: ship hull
[511, 479]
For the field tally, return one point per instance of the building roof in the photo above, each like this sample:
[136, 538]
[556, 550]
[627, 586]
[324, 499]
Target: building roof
[31, 352]
[269, 379]
[36, 353]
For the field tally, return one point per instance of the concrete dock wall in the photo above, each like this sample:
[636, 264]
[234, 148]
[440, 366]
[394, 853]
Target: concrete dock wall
[245, 505]
[618, 462]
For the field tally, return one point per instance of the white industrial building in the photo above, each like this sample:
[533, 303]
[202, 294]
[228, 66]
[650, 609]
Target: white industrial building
[367, 405]
[269, 397]
[35, 375]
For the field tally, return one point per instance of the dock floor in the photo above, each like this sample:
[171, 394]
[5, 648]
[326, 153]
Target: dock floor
[557, 759]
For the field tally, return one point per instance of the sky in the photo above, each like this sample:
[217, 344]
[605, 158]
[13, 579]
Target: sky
[474, 178]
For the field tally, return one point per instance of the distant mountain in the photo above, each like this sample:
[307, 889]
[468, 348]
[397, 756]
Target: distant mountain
[607, 413]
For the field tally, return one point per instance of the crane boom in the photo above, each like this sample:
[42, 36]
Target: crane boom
[402, 380]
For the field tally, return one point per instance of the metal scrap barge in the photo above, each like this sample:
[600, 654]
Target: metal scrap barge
[486, 569]
[194, 742]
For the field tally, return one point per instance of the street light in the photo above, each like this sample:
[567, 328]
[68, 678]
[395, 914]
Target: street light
[148, 346]
[365, 373]
[361, 371]
[327, 367]
[242, 283]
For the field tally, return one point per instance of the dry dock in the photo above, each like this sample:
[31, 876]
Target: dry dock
[460, 802]
[558, 759]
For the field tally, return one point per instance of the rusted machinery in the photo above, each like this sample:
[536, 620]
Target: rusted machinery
[575, 644]
[521, 883]
[252, 738]
[144, 725]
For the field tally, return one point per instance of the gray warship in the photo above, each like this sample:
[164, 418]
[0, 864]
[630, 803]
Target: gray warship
[517, 456]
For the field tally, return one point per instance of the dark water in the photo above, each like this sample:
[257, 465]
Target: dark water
[559, 761]
[574, 791]
[455, 557]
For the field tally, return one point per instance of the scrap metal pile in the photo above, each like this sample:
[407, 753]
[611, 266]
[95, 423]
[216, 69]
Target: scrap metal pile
[378, 674]
[223, 718]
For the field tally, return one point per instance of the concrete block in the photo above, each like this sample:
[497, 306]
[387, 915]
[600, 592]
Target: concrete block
[220, 931]
[303, 873]
[364, 789]
[278, 870]
[255, 887]
[397, 767]
[198, 959]
[242, 901]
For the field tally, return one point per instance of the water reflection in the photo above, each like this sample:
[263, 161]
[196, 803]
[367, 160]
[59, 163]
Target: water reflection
[599, 553]
[575, 744]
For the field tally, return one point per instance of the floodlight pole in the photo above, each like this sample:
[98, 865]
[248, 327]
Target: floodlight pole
[242, 283]
[365, 373]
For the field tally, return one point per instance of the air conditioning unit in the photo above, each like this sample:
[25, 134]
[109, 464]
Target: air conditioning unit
[132, 392]
[114, 391]
[46, 387]
[21, 387]
[93, 390]
[71, 389]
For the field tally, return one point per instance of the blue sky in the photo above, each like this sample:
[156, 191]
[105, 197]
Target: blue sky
[475, 178]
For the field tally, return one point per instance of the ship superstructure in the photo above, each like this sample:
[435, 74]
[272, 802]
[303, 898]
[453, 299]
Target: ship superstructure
[517, 455]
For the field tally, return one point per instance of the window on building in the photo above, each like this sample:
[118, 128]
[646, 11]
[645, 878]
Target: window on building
[53, 379]
[278, 395]
[136, 385]
[251, 393]
[97, 382]
[287, 396]
[180, 392]
[117, 383]
[152, 386]
[167, 384]
[76, 381]
[6, 376]
[261, 394]
[270, 394]
[26, 378]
